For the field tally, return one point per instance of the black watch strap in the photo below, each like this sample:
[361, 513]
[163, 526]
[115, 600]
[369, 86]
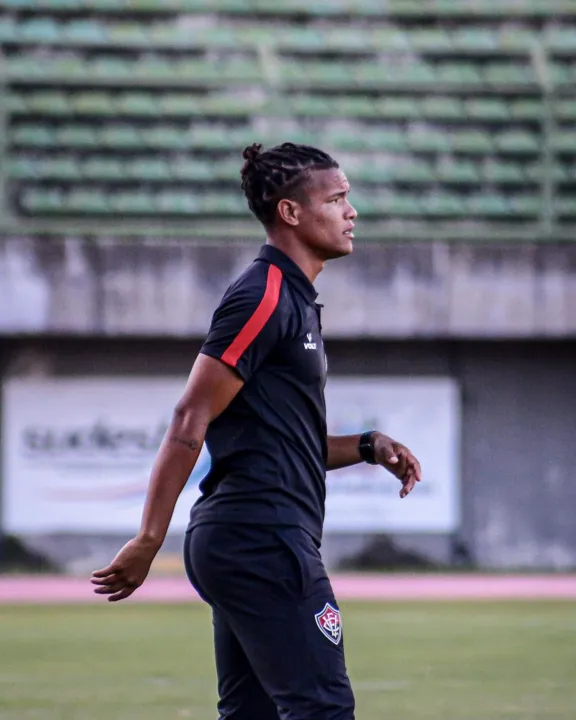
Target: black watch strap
[366, 447]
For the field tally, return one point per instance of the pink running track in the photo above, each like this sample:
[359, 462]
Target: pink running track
[46, 590]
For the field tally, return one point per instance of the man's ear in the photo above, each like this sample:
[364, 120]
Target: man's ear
[289, 211]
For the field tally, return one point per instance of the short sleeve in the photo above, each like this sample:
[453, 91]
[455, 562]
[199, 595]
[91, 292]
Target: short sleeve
[248, 323]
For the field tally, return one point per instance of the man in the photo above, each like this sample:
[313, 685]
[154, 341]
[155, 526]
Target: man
[256, 397]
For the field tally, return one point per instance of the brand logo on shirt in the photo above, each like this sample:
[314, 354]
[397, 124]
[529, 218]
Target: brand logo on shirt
[310, 345]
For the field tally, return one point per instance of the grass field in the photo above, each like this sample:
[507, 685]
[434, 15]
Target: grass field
[416, 661]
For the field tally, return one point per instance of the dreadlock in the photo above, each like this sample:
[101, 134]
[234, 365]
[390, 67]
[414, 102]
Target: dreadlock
[277, 173]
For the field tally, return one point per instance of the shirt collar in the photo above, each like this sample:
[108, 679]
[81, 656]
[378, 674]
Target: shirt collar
[290, 269]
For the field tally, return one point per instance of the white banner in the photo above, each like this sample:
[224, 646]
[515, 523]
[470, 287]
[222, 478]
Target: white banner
[77, 453]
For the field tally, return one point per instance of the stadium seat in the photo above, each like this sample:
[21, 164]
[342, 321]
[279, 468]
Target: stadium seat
[487, 109]
[91, 201]
[136, 103]
[48, 103]
[41, 201]
[430, 140]
[16, 103]
[62, 167]
[121, 137]
[517, 141]
[442, 107]
[92, 103]
[498, 171]
[566, 109]
[148, 169]
[472, 141]
[462, 171]
[443, 205]
[487, 204]
[78, 136]
[78, 32]
[102, 168]
[33, 135]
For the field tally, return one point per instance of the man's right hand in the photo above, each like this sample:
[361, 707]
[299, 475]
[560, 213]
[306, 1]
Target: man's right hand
[127, 571]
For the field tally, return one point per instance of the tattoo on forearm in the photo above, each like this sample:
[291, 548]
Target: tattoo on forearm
[190, 444]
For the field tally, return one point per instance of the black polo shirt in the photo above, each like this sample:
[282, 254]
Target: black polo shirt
[269, 447]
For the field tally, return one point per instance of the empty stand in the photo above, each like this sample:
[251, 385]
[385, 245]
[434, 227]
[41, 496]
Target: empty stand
[443, 114]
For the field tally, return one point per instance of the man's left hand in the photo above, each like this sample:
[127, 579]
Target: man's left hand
[398, 460]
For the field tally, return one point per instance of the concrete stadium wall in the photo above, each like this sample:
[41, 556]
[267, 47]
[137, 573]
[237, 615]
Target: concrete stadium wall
[518, 452]
[137, 287]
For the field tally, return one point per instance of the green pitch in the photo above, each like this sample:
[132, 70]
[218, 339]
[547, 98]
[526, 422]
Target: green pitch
[408, 662]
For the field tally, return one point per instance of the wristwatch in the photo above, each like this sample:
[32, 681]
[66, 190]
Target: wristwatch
[366, 447]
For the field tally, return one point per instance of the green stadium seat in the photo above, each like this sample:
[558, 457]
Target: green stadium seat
[412, 170]
[487, 204]
[33, 135]
[431, 39]
[475, 38]
[78, 136]
[562, 38]
[565, 109]
[121, 136]
[497, 171]
[525, 205]
[429, 140]
[518, 39]
[103, 168]
[192, 169]
[222, 203]
[472, 141]
[399, 107]
[149, 169]
[165, 137]
[526, 109]
[9, 29]
[128, 34]
[565, 206]
[113, 68]
[138, 103]
[517, 141]
[565, 141]
[177, 203]
[62, 168]
[458, 73]
[17, 103]
[84, 31]
[41, 30]
[22, 168]
[391, 38]
[210, 137]
[176, 104]
[461, 171]
[535, 172]
[90, 201]
[443, 204]
[401, 205]
[48, 103]
[132, 203]
[442, 107]
[38, 200]
[509, 74]
[487, 109]
[23, 66]
[92, 103]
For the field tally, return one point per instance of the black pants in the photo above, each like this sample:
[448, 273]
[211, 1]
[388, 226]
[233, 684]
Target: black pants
[277, 630]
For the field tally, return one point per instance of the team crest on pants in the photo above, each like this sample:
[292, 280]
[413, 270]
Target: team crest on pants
[330, 623]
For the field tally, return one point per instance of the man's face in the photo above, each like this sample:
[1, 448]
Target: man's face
[325, 218]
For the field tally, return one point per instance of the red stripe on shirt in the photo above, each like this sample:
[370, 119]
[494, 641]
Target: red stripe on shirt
[259, 318]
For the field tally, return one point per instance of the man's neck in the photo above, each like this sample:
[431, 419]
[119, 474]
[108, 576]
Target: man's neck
[310, 265]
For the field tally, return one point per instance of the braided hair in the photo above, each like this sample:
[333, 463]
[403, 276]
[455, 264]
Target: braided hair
[278, 173]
